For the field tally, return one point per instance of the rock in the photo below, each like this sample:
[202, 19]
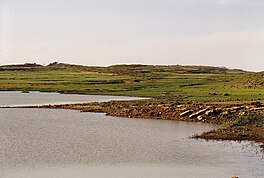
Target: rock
[242, 113]
[247, 107]
[256, 109]
[194, 115]
[226, 94]
[233, 109]
[179, 106]
[200, 118]
[213, 112]
[236, 108]
[225, 113]
[209, 113]
[257, 104]
[182, 109]
[186, 112]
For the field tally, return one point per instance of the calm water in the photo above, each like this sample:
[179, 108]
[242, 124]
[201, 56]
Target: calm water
[41, 143]
[14, 98]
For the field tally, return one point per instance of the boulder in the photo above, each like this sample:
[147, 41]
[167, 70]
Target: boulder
[225, 113]
[213, 112]
[194, 115]
[200, 118]
[186, 112]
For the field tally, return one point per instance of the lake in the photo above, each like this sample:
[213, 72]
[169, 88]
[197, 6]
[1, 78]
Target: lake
[14, 98]
[40, 143]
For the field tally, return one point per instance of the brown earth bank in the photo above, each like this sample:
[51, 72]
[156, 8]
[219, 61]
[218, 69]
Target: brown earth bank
[240, 121]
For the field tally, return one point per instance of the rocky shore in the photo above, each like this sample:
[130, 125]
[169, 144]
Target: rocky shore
[216, 113]
[208, 112]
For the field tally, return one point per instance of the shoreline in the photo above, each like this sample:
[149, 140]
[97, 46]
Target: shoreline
[214, 113]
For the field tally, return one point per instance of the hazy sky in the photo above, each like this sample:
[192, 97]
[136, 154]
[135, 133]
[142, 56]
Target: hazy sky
[103, 32]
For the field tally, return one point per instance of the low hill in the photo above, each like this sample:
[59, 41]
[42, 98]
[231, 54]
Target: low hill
[255, 80]
[133, 69]
[26, 66]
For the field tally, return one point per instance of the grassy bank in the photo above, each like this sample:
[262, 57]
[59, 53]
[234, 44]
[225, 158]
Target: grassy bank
[248, 127]
[191, 93]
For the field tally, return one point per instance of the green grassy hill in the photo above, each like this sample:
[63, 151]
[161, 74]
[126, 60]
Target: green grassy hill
[184, 82]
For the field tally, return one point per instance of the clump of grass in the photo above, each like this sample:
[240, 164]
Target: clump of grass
[250, 127]
[249, 120]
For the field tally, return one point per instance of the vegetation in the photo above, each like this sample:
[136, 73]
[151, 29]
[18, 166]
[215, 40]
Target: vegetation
[249, 127]
[185, 82]
[191, 93]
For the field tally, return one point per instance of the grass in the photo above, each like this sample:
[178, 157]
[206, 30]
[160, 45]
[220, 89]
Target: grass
[249, 127]
[250, 120]
[184, 82]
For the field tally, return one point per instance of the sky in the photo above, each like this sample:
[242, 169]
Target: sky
[227, 33]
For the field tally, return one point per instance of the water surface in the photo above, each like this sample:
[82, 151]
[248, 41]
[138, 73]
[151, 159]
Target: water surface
[15, 98]
[40, 143]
